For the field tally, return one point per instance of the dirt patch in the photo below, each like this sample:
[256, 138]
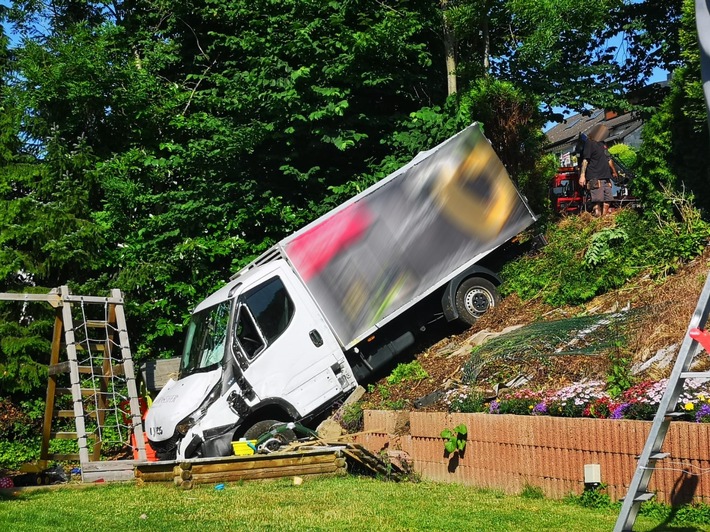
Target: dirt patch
[663, 308]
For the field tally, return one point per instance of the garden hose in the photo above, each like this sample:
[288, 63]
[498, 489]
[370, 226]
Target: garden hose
[278, 429]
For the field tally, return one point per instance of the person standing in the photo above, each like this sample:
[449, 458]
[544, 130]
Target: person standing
[595, 172]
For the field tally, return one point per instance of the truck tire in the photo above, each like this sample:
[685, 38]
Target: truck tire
[474, 297]
[261, 427]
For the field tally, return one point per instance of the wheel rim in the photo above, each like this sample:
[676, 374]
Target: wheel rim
[478, 301]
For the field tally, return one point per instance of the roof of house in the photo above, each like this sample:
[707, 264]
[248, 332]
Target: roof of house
[563, 137]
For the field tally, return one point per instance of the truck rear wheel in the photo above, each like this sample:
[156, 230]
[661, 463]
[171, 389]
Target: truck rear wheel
[474, 297]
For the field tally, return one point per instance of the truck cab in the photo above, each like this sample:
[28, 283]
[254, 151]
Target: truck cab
[257, 349]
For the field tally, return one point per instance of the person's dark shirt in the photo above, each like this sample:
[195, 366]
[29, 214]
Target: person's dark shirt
[598, 162]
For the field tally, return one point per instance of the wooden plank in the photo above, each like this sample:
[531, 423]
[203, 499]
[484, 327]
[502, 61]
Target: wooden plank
[96, 347]
[164, 468]
[91, 299]
[86, 392]
[52, 298]
[70, 413]
[243, 465]
[65, 367]
[110, 465]
[187, 474]
[155, 373]
[51, 386]
[122, 475]
[63, 435]
[70, 457]
[186, 464]
[257, 474]
[159, 476]
[372, 462]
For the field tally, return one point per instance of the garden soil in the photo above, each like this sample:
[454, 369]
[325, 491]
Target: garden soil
[663, 309]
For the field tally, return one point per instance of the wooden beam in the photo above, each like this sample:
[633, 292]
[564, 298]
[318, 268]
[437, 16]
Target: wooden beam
[246, 465]
[52, 298]
[287, 471]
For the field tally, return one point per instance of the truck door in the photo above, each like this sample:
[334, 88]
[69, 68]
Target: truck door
[291, 352]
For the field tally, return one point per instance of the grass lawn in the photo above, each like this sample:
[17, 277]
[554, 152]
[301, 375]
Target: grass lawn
[346, 503]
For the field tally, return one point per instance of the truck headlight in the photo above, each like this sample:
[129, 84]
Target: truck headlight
[190, 421]
[185, 425]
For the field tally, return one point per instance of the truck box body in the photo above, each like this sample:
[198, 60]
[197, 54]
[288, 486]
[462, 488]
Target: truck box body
[394, 243]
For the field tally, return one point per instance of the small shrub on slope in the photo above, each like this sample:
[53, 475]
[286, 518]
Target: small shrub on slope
[587, 256]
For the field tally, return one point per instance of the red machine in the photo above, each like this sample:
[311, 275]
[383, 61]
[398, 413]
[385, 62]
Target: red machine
[565, 193]
[568, 197]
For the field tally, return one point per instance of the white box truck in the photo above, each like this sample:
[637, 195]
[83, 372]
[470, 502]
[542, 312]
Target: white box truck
[296, 330]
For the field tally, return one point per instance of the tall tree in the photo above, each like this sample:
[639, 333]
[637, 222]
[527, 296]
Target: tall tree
[197, 134]
[672, 156]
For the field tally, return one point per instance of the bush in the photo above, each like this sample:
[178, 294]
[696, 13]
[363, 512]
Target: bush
[352, 418]
[15, 453]
[593, 498]
[625, 154]
[601, 254]
[413, 371]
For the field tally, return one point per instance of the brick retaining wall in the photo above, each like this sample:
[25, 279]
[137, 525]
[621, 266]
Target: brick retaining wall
[508, 452]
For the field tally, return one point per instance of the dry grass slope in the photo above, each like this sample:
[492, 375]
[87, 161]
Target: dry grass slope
[662, 309]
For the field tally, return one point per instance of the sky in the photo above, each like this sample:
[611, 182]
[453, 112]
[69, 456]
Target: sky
[658, 75]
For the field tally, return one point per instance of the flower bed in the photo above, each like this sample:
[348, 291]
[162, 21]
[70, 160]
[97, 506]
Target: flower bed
[590, 399]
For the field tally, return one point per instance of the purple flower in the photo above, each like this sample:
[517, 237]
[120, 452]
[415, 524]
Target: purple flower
[618, 412]
[494, 408]
[540, 408]
[703, 414]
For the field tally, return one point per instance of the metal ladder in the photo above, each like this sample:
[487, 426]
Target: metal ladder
[99, 367]
[695, 338]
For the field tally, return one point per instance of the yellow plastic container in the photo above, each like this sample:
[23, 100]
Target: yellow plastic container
[243, 447]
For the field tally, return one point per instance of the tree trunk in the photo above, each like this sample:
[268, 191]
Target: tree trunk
[450, 50]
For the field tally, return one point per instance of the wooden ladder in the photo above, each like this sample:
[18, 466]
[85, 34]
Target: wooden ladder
[89, 346]
[695, 338]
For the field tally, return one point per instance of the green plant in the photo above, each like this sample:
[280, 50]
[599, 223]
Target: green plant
[15, 453]
[626, 154]
[352, 417]
[384, 390]
[619, 378]
[396, 404]
[687, 514]
[412, 371]
[593, 498]
[455, 439]
[596, 258]
[601, 243]
[532, 492]
[470, 402]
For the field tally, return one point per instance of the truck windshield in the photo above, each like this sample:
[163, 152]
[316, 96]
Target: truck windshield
[205, 340]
